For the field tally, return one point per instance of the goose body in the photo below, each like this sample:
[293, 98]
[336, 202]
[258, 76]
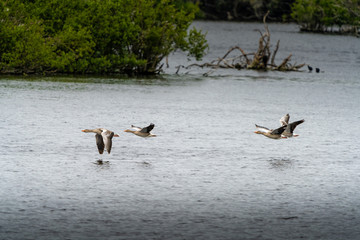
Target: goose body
[103, 138]
[142, 132]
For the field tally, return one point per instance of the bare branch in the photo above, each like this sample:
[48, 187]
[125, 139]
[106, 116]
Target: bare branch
[274, 54]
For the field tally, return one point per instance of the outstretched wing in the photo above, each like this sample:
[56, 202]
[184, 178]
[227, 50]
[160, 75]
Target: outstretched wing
[136, 128]
[262, 129]
[279, 130]
[148, 128]
[291, 127]
[284, 120]
[99, 143]
[107, 138]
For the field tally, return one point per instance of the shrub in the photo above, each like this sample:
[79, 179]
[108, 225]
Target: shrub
[320, 15]
[91, 36]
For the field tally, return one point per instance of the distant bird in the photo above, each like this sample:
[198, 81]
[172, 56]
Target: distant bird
[265, 60]
[103, 138]
[317, 70]
[142, 132]
[310, 68]
[270, 133]
[290, 127]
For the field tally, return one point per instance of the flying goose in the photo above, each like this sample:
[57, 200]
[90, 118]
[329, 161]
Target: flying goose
[142, 132]
[103, 138]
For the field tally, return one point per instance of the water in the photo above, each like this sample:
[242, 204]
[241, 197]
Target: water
[206, 175]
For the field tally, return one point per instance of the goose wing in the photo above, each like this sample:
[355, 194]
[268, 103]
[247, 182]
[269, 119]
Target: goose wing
[99, 143]
[262, 129]
[107, 138]
[291, 127]
[148, 128]
[279, 130]
[136, 128]
[284, 120]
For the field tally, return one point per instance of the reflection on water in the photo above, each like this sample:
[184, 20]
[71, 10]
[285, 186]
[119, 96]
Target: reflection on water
[281, 163]
[145, 164]
[100, 162]
[206, 175]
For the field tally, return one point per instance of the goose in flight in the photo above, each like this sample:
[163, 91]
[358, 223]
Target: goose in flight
[142, 132]
[103, 138]
[270, 133]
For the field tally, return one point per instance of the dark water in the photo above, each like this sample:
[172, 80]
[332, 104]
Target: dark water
[206, 175]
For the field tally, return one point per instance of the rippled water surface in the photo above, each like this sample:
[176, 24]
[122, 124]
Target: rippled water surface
[206, 175]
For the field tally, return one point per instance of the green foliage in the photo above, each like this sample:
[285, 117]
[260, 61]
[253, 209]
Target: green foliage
[196, 44]
[28, 50]
[319, 15]
[93, 36]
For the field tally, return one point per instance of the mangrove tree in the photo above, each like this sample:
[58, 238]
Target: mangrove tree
[92, 36]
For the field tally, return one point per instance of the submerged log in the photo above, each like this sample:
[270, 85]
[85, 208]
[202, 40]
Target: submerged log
[262, 59]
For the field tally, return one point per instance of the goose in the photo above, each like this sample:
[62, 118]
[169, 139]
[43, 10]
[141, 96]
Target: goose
[142, 132]
[270, 133]
[103, 138]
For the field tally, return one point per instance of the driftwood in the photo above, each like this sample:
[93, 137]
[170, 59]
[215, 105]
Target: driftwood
[263, 59]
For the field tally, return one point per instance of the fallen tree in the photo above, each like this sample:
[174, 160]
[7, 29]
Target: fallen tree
[262, 59]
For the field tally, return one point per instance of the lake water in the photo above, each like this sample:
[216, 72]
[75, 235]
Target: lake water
[206, 175]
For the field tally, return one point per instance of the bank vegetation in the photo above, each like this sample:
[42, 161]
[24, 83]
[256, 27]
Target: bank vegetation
[91, 36]
[323, 16]
[340, 16]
